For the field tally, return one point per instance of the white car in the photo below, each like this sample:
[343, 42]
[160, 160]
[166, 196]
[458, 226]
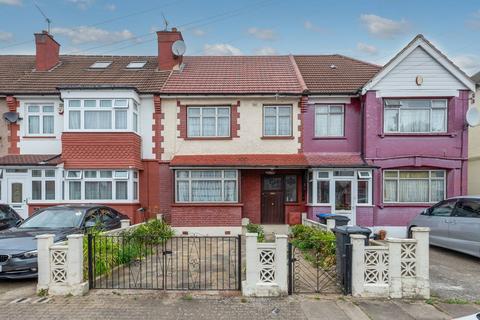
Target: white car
[475, 316]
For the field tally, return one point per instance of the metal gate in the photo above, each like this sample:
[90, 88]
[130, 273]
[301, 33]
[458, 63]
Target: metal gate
[180, 263]
[312, 273]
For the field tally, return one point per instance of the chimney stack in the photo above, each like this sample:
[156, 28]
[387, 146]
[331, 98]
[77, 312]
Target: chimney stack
[47, 51]
[166, 59]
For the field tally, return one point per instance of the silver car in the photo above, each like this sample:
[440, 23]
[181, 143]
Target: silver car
[454, 224]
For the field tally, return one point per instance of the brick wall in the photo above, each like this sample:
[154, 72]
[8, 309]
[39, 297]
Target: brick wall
[251, 193]
[13, 128]
[206, 215]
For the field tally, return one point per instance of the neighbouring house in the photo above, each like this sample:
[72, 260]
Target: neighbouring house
[209, 140]
[474, 147]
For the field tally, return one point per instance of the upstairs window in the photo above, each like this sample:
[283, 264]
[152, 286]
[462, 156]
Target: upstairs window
[329, 121]
[40, 119]
[102, 115]
[208, 121]
[415, 116]
[277, 121]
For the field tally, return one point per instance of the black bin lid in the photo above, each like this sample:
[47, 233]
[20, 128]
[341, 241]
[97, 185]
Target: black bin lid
[352, 230]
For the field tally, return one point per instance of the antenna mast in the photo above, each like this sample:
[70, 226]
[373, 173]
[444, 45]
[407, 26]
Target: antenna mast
[165, 22]
[47, 19]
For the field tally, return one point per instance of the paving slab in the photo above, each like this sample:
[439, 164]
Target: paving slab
[421, 310]
[351, 310]
[383, 310]
[458, 310]
[321, 309]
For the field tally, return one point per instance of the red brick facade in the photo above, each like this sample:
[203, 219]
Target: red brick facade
[206, 215]
[13, 137]
[301, 116]
[157, 128]
[251, 193]
[235, 120]
[101, 150]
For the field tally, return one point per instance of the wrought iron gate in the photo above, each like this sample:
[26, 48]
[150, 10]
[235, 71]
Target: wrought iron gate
[313, 273]
[180, 263]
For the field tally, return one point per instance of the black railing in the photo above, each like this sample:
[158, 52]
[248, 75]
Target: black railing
[179, 263]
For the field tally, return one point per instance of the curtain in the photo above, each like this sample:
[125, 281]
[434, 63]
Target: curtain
[270, 121]
[121, 190]
[437, 190]
[193, 126]
[230, 192]
[36, 190]
[49, 190]
[48, 124]
[321, 125]
[390, 191]
[120, 119]
[135, 122]
[74, 190]
[206, 191]
[414, 120]
[413, 190]
[284, 121]
[74, 119]
[223, 126]
[323, 191]
[33, 124]
[438, 120]
[98, 190]
[208, 126]
[336, 125]
[362, 191]
[98, 120]
[391, 120]
[182, 191]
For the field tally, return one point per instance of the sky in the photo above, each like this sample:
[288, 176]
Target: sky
[370, 30]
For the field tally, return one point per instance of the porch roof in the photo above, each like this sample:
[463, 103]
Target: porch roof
[300, 160]
[30, 160]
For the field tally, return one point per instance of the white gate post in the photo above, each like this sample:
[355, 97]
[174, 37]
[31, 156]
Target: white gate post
[358, 263]
[44, 242]
[75, 259]
[281, 261]
[124, 223]
[421, 234]
[251, 279]
[331, 224]
[394, 267]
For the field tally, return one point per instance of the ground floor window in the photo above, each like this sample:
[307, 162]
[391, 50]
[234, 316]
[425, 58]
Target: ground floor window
[121, 185]
[43, 184]
[413, 186]
[206, 185]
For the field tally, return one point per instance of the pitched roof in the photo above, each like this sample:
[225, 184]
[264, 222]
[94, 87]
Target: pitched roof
[270, 160]
[234, 75]
[334, 74]
[476, 78]
[30, 160]
[17, 75]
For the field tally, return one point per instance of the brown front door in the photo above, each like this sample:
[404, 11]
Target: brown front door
[273, 209]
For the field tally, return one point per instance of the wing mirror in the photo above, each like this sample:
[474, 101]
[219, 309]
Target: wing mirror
[19, 222]
[426, 212]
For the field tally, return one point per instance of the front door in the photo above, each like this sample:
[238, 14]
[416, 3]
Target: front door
[273, 208]
[16, 196]
[343, 202]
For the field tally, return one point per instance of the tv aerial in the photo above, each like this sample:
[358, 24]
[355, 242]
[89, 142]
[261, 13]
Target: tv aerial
[47, 19]
[165, 22]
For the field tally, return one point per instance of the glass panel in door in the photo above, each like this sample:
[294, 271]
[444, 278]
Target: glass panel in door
[16, 194]
[343, 196]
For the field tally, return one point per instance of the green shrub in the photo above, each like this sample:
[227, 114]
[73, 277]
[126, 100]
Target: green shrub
[318, 246]
[258, 229]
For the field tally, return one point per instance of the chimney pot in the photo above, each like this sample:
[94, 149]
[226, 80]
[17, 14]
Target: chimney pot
[47, 51]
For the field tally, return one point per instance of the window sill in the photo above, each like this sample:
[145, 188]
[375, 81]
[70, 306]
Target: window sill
[329, 138]
[402, 204]
[38, 137]
[415, 135]
[206, 138]
[208, 204]
[277, 138]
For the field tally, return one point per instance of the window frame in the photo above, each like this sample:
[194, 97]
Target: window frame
[400, 108]
[277, 117]
[41, 115]
[190, 179]
[329, 113]
[398, 179]
[201, 108]
[43, 178]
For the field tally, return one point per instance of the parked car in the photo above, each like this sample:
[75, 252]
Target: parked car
[18, 246]
[454, 224]
[9, 218]
[475, 316]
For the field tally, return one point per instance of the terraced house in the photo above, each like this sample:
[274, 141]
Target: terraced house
[209, 140]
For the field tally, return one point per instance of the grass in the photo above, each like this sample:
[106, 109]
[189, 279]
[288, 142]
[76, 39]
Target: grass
[42, 292]
[187, 297]
[455, 301]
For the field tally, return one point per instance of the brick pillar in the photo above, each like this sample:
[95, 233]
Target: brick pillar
[13, 128]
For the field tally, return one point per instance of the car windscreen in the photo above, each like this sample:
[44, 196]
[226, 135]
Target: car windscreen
[58, 218]
[5, 213]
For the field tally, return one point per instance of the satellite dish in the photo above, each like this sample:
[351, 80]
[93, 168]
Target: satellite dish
[179, 48]
[473, 117]
[11, 116]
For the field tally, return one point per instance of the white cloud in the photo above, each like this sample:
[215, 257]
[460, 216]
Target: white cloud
[384, 28]
[265, 51]
[366, 48]
[82, 4]
[5, 36]
[199, 32]
[468, 62]
[474, 21]
[308, 25]
[84, 34]
[110, 7]
[262, 34]
[11, 2]
[221, 49]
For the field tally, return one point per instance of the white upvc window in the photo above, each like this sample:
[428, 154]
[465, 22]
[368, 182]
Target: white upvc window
[101, 185]
[413, 186]
[43, 184]
[40, 119]
[415, 116]
[206, 186]
[277, 121]
[329, 120]
[206, 121]
[101, 115]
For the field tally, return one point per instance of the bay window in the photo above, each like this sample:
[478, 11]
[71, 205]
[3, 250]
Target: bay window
[415, 116]
[102, 115]
[208, 121]
[43, 184]
[329, 120]
[402, 186]
[277, 121]
[206, 185]
[41, 119]
[105, 185]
